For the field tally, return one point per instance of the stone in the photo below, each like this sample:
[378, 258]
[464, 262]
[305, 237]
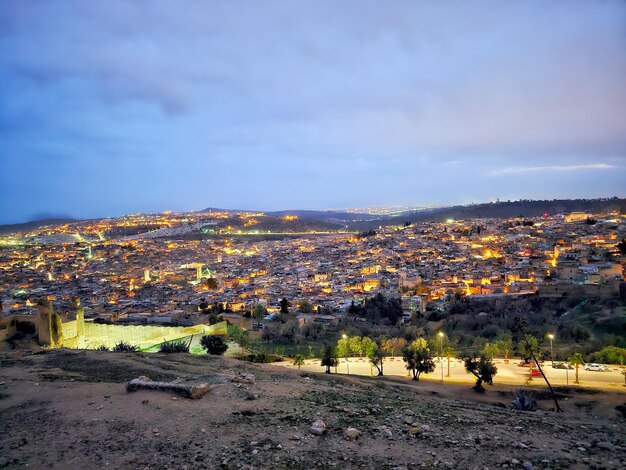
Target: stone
[318, 428]
[244, 378]
[425, 427]
[528, 466]
[605, 446]
[386, 433]
[415, 431]
[352, 434]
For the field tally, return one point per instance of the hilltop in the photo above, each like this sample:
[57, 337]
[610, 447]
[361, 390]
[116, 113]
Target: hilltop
[70, 409]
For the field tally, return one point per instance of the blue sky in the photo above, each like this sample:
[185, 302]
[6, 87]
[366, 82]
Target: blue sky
[125, 106]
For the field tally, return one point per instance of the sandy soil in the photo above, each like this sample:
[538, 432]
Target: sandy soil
[70, 409]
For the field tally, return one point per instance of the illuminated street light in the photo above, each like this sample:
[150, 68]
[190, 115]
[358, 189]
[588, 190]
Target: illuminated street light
[441, 353]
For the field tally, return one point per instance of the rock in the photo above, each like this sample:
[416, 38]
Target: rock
[425, 427]
[528, 466]
[605, 446]
[386, 433]
[244, 378]
[408, 420]
[514, 461]
[352, 434]
[318, 428]
[415, 431]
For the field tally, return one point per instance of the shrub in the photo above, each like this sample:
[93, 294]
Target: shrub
[102, 347]
[124, 347]
[214, 345]
[481, 367]
[174, 347]
[524, 401]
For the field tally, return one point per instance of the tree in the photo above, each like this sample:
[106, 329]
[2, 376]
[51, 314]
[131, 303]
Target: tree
[343, 347]
[214, 345]
[289, 330]
[305, 307]
[419, 343]
[481, 367]
[449, 352]
[284, 305]
[367, 346]
[377, 357]
[298, 360]
[329, 358]
[394, 346]
[418, 361]
[259, 312]
[577, 360]
[529, 349]
[491, 350]
[505, 344]
[211, 283]
[239, 335]
[356, 347]
[621, 246]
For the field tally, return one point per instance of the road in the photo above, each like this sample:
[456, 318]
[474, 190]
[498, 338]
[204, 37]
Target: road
[508, 373]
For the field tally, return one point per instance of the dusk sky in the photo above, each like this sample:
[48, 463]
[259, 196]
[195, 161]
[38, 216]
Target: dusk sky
[112, 107]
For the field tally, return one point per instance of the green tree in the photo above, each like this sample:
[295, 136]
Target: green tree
[418, 361]
[298, 360]
[343, 347]
[419, 343]
[505, 345]
[329, 358]
[368, 345]
[377, 358]
[259, 312]
[305, 307]
[610, 355]
[214, 345]
[481, 367]
[576, 360]
[491, 350]
[238, 335]
[529, 350]
[356, 347]
[394, 346]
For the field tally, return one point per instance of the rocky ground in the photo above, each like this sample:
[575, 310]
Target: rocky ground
[70, 409]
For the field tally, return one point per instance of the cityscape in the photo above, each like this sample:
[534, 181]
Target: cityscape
[330, 235]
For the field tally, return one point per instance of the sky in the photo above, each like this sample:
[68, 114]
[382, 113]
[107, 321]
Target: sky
[125, 106]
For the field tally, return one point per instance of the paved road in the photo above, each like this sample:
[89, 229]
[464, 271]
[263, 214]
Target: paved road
[510, 374]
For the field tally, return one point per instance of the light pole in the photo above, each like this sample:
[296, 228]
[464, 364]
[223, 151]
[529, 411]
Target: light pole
[345, 336]
[441, 353]
[551, 336]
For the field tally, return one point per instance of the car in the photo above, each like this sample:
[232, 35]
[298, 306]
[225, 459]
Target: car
[561, 365]
[527, 363]
[594, 366]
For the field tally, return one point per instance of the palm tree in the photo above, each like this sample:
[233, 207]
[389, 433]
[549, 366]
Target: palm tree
[298, 360]
[577, 360]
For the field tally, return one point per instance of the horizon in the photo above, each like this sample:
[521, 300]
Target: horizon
[120, 108]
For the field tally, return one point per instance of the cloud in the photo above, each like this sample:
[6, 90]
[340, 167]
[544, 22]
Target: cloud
[550, 168]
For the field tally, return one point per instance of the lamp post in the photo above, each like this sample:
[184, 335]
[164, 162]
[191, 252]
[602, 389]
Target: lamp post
[345, 336]
[551, 336]
[441, 353]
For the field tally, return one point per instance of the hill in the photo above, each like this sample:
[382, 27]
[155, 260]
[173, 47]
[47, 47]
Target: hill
[70, 409]
[35, 224]
[502, 210]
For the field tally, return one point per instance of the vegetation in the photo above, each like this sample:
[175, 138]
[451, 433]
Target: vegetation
[241, 336]
[214, 345]
[102, 348]
[298, 361]
[377, 358]
[610, 355]
[124, 347]
[417, 358]
[329, 358]
[524, 401]
[169, 347]
[481, 367]
[576, 360]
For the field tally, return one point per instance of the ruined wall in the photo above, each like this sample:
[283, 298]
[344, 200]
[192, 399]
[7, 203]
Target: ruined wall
[142, 336]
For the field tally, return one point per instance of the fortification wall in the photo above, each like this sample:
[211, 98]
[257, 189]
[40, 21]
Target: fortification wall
[142, 336]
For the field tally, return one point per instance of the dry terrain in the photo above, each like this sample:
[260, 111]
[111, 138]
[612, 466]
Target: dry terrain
[70, 409]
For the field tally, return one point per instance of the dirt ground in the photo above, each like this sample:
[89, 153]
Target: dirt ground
[70, 409]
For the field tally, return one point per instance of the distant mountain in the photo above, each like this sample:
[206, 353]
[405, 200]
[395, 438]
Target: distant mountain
[333, 216]
[27, 226]
[501, 210]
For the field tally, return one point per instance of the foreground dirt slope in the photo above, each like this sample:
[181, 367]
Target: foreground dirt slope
[70, 409]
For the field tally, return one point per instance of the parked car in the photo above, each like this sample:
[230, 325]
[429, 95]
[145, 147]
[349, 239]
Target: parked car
[562, 365]
[536, 373]
[594, 366]
[527, 363]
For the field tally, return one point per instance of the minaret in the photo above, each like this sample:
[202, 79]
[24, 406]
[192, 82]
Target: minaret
[146, 275]
[199, 272]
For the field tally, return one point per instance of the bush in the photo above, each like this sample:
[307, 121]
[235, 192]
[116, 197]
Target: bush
[124, 347]
[102, 348]
[214, 345]
[610, 355]
[174, 347]
[524, 401]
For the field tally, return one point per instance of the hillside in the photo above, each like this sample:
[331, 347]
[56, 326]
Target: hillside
[70, 409]
[502, 210]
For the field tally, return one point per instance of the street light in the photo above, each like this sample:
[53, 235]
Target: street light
[551, 336]
[441, 353]
[345, 336]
